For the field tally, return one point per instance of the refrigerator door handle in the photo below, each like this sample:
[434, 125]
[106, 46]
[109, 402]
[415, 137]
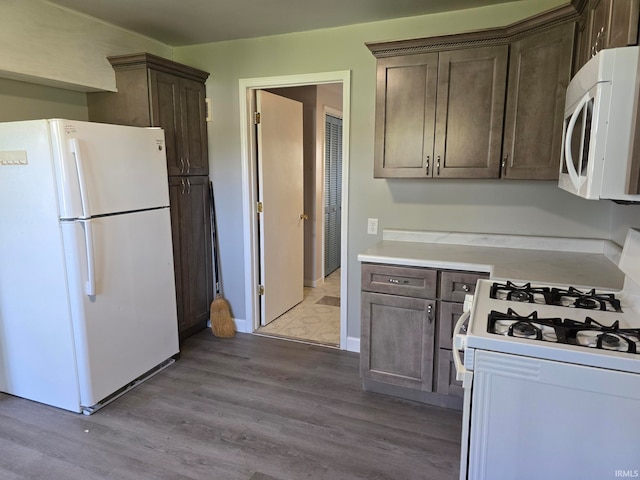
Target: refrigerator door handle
[90, 287]
[84, 198]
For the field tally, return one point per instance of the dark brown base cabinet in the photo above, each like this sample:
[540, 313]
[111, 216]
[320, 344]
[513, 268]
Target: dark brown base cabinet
[408, 315]
[191, 228]
[156, 92]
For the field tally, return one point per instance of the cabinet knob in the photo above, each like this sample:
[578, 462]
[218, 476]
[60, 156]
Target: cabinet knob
[304, 216]
[465, 287]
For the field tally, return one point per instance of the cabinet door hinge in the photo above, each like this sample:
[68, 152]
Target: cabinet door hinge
[256, 118]
[259, 207]
[260, 289]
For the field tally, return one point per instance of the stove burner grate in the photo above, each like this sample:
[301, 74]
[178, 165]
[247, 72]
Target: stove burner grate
[565, 297]
[589, 333]
[590, 300]
[519, 293]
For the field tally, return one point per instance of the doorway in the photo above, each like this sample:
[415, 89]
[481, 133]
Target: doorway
[248, 88]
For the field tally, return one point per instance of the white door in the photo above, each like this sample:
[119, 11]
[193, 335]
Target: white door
[280, 189]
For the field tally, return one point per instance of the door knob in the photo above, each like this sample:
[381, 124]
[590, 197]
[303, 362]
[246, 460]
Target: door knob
[304, 216]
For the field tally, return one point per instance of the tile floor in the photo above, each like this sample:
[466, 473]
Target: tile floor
[316, 319]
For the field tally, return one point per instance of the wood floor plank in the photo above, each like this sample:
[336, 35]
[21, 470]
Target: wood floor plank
[246, 408]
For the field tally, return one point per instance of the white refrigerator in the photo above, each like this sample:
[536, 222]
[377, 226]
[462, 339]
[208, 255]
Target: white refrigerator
[87, 294]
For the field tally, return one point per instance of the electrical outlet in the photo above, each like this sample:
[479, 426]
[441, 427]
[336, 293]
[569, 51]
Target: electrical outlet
[372, 226]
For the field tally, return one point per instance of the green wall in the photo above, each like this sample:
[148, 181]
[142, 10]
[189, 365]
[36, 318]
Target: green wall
[28, 101]
[494, 206]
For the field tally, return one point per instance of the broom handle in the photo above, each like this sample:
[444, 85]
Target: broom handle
[214, 242]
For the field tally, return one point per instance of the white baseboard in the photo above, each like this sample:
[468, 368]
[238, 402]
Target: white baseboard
[243, 326]
[353, 344]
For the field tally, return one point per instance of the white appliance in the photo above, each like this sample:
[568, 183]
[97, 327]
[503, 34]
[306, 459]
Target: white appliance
[551, 378]
[598, 126]
[87, 295]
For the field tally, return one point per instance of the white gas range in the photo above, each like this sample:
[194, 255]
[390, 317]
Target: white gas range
[551, 377]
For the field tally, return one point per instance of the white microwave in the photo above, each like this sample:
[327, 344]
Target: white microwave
[598, 126]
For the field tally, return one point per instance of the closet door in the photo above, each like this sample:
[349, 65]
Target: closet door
[332, 193]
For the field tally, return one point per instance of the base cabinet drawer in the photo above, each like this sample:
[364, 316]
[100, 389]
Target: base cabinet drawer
[403, 281]
[446, 381]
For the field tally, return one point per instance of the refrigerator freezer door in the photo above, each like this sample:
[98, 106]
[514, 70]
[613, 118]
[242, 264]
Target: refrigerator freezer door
[37, 353]
[130, 325]
[104, 169]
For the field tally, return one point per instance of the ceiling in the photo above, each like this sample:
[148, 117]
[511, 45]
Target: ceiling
[191, 22]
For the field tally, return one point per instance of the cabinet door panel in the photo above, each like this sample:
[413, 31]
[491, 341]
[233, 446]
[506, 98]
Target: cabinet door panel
[448, 315]
[623, 27]
[165, 113]
[398, 340]
[470, 111]
[197, 238]
[539, 72]
[405, 109]
[599, 25]
[446, 382]
[190, 226]
[194, 127]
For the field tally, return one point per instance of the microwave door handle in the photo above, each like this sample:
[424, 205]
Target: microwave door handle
[459, 344]
[568, 156]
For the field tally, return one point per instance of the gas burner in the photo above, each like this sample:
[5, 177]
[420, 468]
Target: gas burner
[524, 330]
[572, 297]
[519, 293]
[513, 325]
[605, 341]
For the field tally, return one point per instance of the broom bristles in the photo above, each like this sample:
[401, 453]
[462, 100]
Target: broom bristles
[222, 324]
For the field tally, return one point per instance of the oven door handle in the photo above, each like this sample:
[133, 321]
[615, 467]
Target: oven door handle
[459, 344]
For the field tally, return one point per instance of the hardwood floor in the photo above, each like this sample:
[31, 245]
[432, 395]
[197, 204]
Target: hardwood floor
[250, 407]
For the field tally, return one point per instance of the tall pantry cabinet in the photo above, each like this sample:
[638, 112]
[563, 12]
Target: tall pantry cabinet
[156, 92]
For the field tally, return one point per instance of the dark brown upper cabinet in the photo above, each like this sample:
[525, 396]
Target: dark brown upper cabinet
[440, 114]
[156, 92]
[605, 24]
[539, 72]
[492, 108]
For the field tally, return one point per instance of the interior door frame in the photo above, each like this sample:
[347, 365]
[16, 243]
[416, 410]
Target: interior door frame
[249, 179]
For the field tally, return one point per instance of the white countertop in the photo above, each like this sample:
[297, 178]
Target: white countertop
[587, 265]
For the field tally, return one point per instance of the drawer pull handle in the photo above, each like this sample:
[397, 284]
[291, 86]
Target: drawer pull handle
[395, 281]
[465, 287]
[430, 313]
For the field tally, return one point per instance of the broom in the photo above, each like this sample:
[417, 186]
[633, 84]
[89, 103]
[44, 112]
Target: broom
[222, 325]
